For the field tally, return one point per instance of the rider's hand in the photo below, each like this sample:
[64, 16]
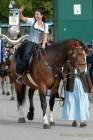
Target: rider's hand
[43, 46]
[91, 90]
[22, 9]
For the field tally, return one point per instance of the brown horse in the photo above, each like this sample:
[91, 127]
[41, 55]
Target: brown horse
[43, 72]
[6, 82]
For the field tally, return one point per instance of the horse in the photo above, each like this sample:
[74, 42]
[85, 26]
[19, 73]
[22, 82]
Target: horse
[44, 71]
[6, 84]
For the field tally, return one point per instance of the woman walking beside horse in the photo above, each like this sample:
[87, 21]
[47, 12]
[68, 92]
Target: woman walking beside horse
[78, 84]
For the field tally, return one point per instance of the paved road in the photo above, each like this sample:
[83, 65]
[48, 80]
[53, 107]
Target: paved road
[11, 130]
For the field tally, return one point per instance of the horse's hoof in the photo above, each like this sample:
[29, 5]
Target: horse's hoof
[12, 98]
[52, 123]
[30, 116]
[8, 93]
[3, 93]
[21, 120]
[46, 126]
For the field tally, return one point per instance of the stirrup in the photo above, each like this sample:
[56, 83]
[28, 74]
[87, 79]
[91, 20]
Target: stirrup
[19, 78]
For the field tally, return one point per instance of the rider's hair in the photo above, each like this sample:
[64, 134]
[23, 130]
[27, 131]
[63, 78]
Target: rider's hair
[42, 13]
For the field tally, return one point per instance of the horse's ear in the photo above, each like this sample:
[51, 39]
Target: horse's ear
[86, 50]
[85, 47]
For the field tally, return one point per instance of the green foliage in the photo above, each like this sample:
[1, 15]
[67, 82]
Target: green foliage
[30, 6]
[46, 5]
[4, 10]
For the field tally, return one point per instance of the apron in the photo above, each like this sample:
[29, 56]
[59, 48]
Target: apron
[35, 35]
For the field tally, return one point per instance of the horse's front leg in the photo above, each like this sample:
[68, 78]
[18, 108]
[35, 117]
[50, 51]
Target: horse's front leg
[51, 104]
[53, 95]
[30, 114]
[46, 124]
[20, 91]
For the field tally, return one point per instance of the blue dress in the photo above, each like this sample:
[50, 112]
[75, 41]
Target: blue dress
[76, 105]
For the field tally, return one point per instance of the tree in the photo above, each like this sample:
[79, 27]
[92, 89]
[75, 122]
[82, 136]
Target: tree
[4, 10]
[30, 6]
[46, 5]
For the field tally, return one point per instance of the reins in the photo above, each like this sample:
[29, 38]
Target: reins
[52, 62]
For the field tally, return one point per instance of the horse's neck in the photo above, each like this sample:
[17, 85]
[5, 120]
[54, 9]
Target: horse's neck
[57, 56]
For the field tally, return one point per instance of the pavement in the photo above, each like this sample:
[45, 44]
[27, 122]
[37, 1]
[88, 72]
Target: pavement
[10, 129]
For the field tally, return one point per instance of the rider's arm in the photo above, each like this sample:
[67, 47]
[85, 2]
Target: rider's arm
[45, 38]
[28, 20]
[22, 17]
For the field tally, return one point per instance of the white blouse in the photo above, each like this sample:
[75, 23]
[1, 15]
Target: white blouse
[31, 21]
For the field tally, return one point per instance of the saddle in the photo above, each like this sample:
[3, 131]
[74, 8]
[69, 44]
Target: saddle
[24, 62]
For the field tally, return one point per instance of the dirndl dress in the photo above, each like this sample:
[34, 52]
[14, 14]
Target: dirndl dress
[76, 104]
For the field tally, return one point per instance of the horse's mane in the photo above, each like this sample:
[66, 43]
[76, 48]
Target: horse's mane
[67, 41]
[56, 45]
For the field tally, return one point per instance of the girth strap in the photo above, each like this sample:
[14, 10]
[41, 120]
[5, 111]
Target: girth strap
[31, 79]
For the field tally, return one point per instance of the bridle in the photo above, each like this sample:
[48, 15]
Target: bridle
[74, 56]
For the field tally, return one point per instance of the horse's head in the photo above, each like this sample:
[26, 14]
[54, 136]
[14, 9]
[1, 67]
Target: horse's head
[77, 55]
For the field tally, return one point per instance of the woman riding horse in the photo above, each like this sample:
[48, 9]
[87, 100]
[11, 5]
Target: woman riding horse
[38, 35]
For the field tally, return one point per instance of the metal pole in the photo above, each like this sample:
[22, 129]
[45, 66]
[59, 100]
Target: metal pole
[13, 20]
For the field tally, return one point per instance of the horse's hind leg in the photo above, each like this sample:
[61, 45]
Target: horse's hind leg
[12, 91]
[8, 86]
[3, 85]
[20, 91]
[30, 114]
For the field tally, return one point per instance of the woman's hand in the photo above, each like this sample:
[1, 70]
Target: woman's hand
[43, 46]
[22, 9]
[91, 90]
[22, 17]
